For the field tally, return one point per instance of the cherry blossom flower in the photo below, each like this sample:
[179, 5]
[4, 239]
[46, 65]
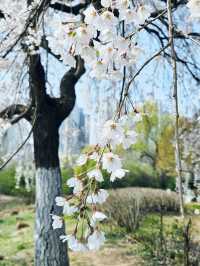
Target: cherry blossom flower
[97, 217]
[67, 208]
[106, 3]
[111, 133]
[119, 173]
[76, 184]
[194, 7]
[73, 243]
[108, 19]
[96, 174]
[82, 160]
[99, 197]
[92, 17]
[122, 4]
[143, 13]
[57, 222]
[129, 139]
[128, 15]
[111, 162]
[96, 240]
[60, 201]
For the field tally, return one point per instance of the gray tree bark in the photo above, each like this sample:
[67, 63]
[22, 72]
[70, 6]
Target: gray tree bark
[49, 249]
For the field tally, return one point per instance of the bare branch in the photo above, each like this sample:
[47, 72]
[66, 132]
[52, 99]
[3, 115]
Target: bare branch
[22, 145]
[126, 92]
[67, 9]
[16, 109]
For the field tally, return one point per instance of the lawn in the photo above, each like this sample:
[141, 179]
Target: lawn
[16, 240]
[121, 248]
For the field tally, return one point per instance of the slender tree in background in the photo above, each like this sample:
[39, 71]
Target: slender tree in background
[175, 96]
[88, 39]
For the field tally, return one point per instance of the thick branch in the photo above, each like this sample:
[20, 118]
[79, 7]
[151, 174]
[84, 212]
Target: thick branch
[67, 88]
[37, 80]
[1, 15]
[16, 109]
[70, 78]
[67, 9]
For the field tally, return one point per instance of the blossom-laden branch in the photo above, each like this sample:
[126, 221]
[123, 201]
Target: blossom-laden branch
[175, 97]
[84, 203]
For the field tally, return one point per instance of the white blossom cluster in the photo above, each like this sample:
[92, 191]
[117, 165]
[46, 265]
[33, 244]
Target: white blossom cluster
[15, 22]
[194, 7]
[87, 196]
[97, 39]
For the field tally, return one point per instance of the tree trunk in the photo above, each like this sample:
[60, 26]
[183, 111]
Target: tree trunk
[49, 249]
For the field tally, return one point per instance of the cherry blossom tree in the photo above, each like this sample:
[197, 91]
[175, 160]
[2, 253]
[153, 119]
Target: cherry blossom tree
[99, 36]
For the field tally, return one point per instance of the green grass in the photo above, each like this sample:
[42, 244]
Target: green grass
[16, 246]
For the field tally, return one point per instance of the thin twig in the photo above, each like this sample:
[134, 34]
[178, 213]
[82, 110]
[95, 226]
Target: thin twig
[21, 145]
[186, 35]
[124, 76]
[126, 91]
[148, 22]
[175, 97]
[144, 65]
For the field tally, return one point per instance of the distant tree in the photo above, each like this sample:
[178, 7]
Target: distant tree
[156, 144]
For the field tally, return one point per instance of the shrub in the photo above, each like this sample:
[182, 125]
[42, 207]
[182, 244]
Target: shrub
[8, 182]
[128, 206]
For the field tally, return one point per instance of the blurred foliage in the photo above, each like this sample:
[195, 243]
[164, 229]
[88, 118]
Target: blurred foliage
[192, 207]
[128, 207]
[66, 174]
[8, 183]
[155, 144]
